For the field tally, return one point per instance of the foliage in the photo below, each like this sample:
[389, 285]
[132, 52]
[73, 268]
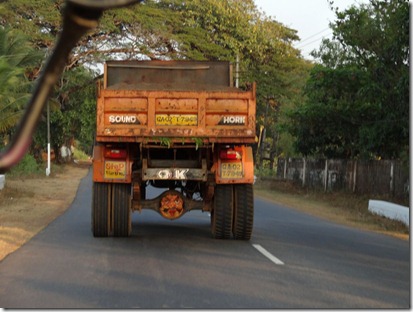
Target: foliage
[72, 113]
[198, 142]
[27, 166]
[17, 60]
[77, 98]
[280, 90]
[327, 124]
[358, 97]
[265, 170]
[167, 29]
[164, 141]
[79, 154]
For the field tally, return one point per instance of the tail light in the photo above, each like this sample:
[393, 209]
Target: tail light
[115, 153]
[229, 154]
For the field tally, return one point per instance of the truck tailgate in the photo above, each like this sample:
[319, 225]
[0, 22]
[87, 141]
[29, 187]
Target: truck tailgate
[144, 115]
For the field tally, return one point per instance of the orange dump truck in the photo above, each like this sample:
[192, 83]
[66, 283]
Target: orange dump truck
[177, 125]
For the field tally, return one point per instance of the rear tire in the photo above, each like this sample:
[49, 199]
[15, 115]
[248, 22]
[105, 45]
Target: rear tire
[121, 203]
[243, 211]
[101, 209]
[222, 212]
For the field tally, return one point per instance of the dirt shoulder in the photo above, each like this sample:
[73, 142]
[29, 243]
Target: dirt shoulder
[28, 205]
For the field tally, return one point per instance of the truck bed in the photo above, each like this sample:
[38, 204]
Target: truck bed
[142, 101]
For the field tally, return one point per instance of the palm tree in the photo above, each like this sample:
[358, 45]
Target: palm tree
[17, 59]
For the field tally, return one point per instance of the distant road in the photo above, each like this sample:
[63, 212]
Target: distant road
[293, 261]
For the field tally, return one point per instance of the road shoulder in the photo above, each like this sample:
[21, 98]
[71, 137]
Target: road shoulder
[28, 205]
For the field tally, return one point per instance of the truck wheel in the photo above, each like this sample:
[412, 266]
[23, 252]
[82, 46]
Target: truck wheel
[101, 209]
[221, 215]
[121, 200]
[243, 211]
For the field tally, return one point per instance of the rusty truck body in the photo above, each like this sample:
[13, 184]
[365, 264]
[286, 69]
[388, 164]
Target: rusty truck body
[177, 125]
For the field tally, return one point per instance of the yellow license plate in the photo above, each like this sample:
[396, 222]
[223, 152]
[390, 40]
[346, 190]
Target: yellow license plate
[115, 169]
[231, 170]
[176, 120]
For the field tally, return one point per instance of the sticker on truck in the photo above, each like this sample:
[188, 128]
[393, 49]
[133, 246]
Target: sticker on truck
[115, 169]
[231, 170]
[176, 119]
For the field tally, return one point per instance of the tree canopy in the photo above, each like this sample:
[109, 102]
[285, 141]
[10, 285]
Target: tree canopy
[17, 61]
[358, 95]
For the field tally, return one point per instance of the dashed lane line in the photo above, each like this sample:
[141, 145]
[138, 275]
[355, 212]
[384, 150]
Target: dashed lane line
[267, 254]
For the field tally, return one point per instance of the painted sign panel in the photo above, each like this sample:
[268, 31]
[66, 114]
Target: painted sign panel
[115, 169]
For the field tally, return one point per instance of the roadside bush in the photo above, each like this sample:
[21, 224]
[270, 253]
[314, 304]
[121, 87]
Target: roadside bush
[27, 166]
[264, 170]
[79, 154]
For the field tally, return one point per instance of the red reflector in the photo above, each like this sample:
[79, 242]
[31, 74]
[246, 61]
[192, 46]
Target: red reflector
[115, 153]
[229, 154]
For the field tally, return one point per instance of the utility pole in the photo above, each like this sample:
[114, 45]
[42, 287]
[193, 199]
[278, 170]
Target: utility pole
[237, 72]
[264, 133]
[48, 140]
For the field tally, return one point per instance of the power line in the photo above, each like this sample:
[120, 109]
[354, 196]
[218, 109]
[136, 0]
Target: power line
[304, 43]
[300, 46]
[321, 31]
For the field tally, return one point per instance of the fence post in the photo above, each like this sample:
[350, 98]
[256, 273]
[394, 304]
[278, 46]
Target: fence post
[354, 176]
[304, 168]
[391, 177]
[285, 168]
[325, 175]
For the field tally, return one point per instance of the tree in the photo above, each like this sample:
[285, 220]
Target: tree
[166, 29]
[281, 83]
[328, 122]
[17, 62]
[73, 112]
[358, 97]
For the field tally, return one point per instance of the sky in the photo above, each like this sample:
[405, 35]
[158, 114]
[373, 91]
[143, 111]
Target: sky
[310, 18]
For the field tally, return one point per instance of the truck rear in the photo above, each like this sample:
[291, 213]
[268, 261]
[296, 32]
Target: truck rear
[180, 126]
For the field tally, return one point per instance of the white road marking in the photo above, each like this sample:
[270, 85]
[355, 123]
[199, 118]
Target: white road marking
[268, 254]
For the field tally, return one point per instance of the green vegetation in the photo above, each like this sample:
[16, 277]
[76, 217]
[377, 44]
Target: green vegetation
[198, 142]
[264, 170]
[79, 154]
[28, 166]
[358, 95]
[164, 141]
[18, 60]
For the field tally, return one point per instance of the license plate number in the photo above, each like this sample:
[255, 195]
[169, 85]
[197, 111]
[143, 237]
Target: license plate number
[176, 120]
[231, 170]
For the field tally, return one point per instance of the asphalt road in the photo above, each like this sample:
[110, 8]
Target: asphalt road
[292, 261]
